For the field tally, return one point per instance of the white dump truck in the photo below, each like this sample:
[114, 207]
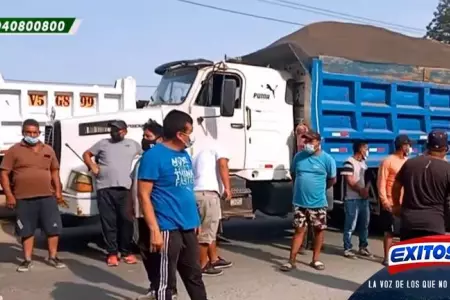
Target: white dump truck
[20, 100]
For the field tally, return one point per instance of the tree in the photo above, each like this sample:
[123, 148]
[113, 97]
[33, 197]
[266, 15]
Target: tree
[439, 27]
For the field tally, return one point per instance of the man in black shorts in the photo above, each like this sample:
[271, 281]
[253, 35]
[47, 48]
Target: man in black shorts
[426, 182]
[30, 180]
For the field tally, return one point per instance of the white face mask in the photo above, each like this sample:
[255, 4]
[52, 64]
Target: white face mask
[409, 152]
[309, 148]
[366, 155]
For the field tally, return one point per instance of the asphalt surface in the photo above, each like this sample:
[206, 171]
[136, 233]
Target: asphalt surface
[256, 247]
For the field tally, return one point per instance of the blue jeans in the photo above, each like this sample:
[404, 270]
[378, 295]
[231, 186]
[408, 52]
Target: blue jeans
[356, 210]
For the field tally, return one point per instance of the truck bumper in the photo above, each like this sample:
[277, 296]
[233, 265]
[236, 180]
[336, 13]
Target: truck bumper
[80, 205]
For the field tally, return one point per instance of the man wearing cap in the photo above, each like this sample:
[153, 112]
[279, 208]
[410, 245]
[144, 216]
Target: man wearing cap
[425, 181]
[313, 171]
[113, 160]
[386, 176]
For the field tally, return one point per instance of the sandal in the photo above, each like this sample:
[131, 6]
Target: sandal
[318, 265]
[287, 267]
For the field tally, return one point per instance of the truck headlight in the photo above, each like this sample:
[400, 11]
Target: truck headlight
[80, 182]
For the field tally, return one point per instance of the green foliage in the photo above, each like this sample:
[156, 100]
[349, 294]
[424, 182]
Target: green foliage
[439, 27]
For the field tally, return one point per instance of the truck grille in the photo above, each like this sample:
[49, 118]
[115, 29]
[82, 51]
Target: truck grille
[53, 138]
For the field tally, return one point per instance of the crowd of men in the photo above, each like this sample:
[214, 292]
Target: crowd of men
[176, 198]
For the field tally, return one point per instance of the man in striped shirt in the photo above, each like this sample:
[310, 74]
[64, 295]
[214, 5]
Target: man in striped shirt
[386, 177]
[356, 203]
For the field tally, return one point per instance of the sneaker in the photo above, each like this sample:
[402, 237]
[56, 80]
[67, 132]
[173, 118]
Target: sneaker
[210, 271]
[56, 263]
[221, 263]
[25, 266]
[130, 259]
[151, 295]
[349, 254]
[364, 252]
[112, 261]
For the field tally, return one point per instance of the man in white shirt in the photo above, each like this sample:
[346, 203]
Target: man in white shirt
[211, 181]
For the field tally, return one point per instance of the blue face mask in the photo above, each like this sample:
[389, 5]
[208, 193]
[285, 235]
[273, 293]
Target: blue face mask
[309, 148]
[31, 140]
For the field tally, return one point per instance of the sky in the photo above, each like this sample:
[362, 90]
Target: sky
[120, 38]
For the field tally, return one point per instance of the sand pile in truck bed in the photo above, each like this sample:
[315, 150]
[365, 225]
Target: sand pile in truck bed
[368, 43]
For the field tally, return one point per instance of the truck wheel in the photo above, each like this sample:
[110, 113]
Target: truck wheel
[74, 221]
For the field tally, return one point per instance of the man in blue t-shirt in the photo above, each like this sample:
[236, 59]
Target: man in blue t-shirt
[313, 172]
[167, 200]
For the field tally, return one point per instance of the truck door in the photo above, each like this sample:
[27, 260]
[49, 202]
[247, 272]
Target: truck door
[228, 132]
[269, 129]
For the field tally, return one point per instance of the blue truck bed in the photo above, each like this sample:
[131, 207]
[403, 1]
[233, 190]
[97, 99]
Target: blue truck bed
[352, 100]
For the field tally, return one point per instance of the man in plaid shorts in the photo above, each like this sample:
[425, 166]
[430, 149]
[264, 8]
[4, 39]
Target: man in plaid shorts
[313, 171]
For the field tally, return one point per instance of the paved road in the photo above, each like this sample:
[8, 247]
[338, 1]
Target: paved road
[256, 247]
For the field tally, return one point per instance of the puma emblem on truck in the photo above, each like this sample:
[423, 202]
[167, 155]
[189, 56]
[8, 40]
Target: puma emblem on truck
[271, 89]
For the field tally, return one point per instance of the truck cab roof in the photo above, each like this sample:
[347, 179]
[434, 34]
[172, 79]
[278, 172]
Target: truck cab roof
[196, 63]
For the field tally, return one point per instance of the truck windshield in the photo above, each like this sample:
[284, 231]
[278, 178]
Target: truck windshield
[174, 87]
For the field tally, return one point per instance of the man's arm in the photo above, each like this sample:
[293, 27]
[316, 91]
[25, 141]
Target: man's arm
[397, 191]
[144, 191]
[56, 180]
[138, 148]
[383, 172]
[5, 170]
[396, 195]
[92, 152]
[225, 177]
[54, 172]
[331, 173]
[348, 173]
[5, 182]
[222, 158]
[148, 173]
[293, 165]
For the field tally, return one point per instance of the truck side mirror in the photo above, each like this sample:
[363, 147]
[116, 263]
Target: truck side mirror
[228, 98]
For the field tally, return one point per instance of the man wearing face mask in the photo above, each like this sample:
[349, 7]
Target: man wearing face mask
[114, 157]
[167, 199]
[313, 171]
[425, 181]
[152, 135]
[356, 203]
[386, 176]
[31, 191]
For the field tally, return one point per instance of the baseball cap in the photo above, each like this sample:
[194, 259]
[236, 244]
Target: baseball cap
[311, 135]
[119, 124]
[437, 140]
[402, 139]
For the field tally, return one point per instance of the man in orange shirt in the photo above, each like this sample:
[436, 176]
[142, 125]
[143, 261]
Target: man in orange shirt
[386, 176]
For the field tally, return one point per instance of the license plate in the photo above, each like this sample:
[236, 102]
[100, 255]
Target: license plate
[236, 202]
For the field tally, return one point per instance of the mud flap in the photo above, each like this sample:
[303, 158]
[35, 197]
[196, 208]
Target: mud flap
[330, 199]
[371, 179]
[239, 206]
